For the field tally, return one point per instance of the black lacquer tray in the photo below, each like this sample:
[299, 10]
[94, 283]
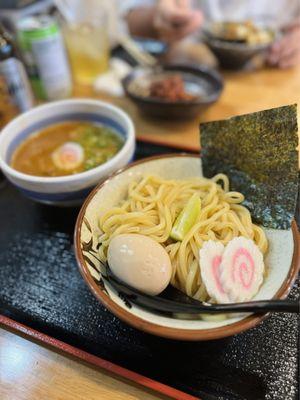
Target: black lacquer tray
[41, 288]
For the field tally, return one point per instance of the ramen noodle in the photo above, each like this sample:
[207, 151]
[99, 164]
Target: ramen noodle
[151, 207]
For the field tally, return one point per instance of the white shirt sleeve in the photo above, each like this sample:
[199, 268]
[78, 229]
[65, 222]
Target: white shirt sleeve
[275, 13]
[126, 5]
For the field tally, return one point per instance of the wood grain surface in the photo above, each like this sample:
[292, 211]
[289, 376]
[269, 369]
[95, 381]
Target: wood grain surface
[244, 92]
[29, 371]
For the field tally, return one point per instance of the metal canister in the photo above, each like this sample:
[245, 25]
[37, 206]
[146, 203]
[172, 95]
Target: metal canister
[17, 83]
[44, 54]
[14, 73]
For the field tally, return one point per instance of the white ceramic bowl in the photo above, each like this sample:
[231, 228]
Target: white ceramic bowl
[70, 189]
[283, 258]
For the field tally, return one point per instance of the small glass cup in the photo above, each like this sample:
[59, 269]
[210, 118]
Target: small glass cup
[87, 42]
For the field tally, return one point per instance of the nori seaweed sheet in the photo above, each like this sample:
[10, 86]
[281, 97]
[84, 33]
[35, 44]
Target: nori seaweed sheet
[258, 153]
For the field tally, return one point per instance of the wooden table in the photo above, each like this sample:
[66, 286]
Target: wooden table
[30, 371]
[244, 92]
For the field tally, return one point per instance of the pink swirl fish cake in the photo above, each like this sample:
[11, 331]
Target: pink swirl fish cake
[241, 269]
[210, 261]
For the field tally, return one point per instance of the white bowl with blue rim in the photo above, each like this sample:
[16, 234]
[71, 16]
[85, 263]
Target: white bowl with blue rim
[71, 189]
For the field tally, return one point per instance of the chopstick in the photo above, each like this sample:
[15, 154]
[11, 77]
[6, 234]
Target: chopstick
[142, 57]
[191, 306]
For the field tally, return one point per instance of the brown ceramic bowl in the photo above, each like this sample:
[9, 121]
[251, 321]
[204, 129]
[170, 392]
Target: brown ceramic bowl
[204, 83]
[283, 259]
[234, 55]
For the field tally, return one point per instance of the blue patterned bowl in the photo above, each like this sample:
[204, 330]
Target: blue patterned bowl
[72, 189]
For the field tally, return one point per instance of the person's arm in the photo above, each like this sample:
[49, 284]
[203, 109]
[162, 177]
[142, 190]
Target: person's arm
[169, 20]
[140, 21]
[285, 52]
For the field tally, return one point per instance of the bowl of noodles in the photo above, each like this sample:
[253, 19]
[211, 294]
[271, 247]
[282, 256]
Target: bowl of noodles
[146, 198]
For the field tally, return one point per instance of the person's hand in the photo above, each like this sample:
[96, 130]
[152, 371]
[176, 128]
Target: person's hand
[175, 19]
[285, 52]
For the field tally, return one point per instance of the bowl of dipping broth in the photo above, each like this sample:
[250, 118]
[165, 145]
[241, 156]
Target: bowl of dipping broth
[57, 152]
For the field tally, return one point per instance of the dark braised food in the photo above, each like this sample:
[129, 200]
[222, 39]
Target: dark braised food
[170, 88]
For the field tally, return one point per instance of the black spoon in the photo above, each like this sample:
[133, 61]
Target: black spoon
[172, 300]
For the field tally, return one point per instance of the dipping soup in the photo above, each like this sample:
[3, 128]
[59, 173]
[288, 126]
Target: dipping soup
[65, 149]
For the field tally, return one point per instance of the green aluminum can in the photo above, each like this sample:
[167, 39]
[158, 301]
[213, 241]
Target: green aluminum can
[44, 55]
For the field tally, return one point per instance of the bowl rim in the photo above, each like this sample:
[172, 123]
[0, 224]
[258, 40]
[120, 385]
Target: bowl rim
[227, 45]
[130, 131]
[168, 332]
[180, 67]
[210, 38]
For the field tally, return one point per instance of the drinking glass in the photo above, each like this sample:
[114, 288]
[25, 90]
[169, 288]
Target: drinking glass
[87, 41]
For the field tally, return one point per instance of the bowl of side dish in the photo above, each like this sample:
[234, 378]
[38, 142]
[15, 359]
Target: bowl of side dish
[133, 221]
[173, 91]
[235, 43]
[57, 152]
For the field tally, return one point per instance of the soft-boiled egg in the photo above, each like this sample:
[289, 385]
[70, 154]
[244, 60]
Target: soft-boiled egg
[68, 156]
[140, 262]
